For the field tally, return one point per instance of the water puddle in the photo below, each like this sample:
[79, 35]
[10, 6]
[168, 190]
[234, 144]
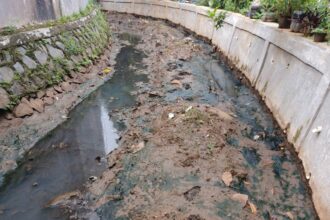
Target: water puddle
[65, 159]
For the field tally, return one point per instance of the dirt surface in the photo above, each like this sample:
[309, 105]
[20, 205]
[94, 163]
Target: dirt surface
[196, 146]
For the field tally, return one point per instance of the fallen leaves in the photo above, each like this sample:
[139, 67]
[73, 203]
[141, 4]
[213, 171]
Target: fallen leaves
[252, 207]
[290, 215]
[227, 178]
[107, 70]
[241, 198]
[176, 82]
[137, 147]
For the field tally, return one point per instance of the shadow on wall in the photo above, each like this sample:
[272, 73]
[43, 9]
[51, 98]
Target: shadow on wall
[44, 10]
[22, 12]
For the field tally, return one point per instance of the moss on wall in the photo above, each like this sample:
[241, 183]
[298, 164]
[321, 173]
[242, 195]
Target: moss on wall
[42, 63]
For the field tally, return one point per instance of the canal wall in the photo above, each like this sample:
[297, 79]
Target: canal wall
[23, 12]
[291, 73]
[34, 60]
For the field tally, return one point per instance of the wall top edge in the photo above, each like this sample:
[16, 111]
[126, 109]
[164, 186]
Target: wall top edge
[43, 32]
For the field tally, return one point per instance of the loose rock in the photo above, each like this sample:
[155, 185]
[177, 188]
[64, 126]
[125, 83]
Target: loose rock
[23, 110]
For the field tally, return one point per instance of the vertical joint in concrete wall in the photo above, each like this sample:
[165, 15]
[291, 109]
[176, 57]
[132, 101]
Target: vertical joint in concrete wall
[196, 26]
[262, 62]
[323, 89]
[231, 39]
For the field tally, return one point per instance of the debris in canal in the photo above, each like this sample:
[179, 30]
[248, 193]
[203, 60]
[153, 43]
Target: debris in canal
[183, 152]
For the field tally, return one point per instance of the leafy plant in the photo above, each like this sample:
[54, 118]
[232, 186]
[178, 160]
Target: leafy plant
[319, 31]
[237, 5]
[268, 5]
[7, 30]
[317, 15]
[217, 17]
[285, 8]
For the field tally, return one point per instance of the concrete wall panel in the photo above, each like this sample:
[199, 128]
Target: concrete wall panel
[204, 26]
[245, 51]
[315, 155]
[173, 10]
[223, 36]
[289, 87]
[188, 16]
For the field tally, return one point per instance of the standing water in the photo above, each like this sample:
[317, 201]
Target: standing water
[166, 178]
[65, 159]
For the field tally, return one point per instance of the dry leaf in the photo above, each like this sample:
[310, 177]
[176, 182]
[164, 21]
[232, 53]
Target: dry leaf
[290, 215]
[252, 207]
[137, 147]
[221, 114]
[241, 198]
[107, 70]
[227, 178]
[176, 82]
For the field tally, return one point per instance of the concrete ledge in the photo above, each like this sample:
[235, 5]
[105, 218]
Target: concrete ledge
[40, 33]
[290, 72]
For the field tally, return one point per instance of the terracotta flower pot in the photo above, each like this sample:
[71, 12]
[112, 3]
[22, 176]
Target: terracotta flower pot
[284, 22]
[319, 37]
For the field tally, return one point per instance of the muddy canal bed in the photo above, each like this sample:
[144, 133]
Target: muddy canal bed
[174, 134]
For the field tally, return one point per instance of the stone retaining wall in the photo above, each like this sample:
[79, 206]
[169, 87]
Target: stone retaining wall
[33, 60]
[290, 72]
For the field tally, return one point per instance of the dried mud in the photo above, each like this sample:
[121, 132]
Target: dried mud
[193, 122]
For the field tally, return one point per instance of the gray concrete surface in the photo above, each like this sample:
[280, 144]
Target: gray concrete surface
[290, 72]
[22, 12]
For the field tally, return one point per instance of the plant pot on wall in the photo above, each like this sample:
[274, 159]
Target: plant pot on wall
[284, 22]
[319, 37]
[269, 17]
[297, 21]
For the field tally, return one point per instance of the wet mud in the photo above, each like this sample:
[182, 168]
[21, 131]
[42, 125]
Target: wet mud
[189, 140]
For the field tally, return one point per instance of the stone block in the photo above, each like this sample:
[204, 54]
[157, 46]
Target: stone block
[6, 74]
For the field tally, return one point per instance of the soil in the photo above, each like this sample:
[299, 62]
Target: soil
[197, 143]
[194, 147]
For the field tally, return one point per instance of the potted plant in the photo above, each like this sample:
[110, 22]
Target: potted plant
[284, 10]
[322, 29]
[316, 15]
[297, 21]
[268, 10]
[319, 34]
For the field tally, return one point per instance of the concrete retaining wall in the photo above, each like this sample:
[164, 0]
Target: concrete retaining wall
[290, 72]
[23, 12]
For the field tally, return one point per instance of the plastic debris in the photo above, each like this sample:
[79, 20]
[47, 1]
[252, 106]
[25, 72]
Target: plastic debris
[170, 115]
[317, 130]
[188, 109]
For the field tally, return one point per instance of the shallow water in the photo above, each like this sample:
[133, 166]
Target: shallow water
[65, 159]
[91, 133]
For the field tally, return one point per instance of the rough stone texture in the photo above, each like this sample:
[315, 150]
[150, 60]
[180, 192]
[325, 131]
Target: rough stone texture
[55, 53]
[21, 50]
[41, 56]
[18, 67]
[4, 99]
[38, 65]
[23, 110]
[37, 104]
[6, 74]
[31, 64]
[293, 82]
[60, 45]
